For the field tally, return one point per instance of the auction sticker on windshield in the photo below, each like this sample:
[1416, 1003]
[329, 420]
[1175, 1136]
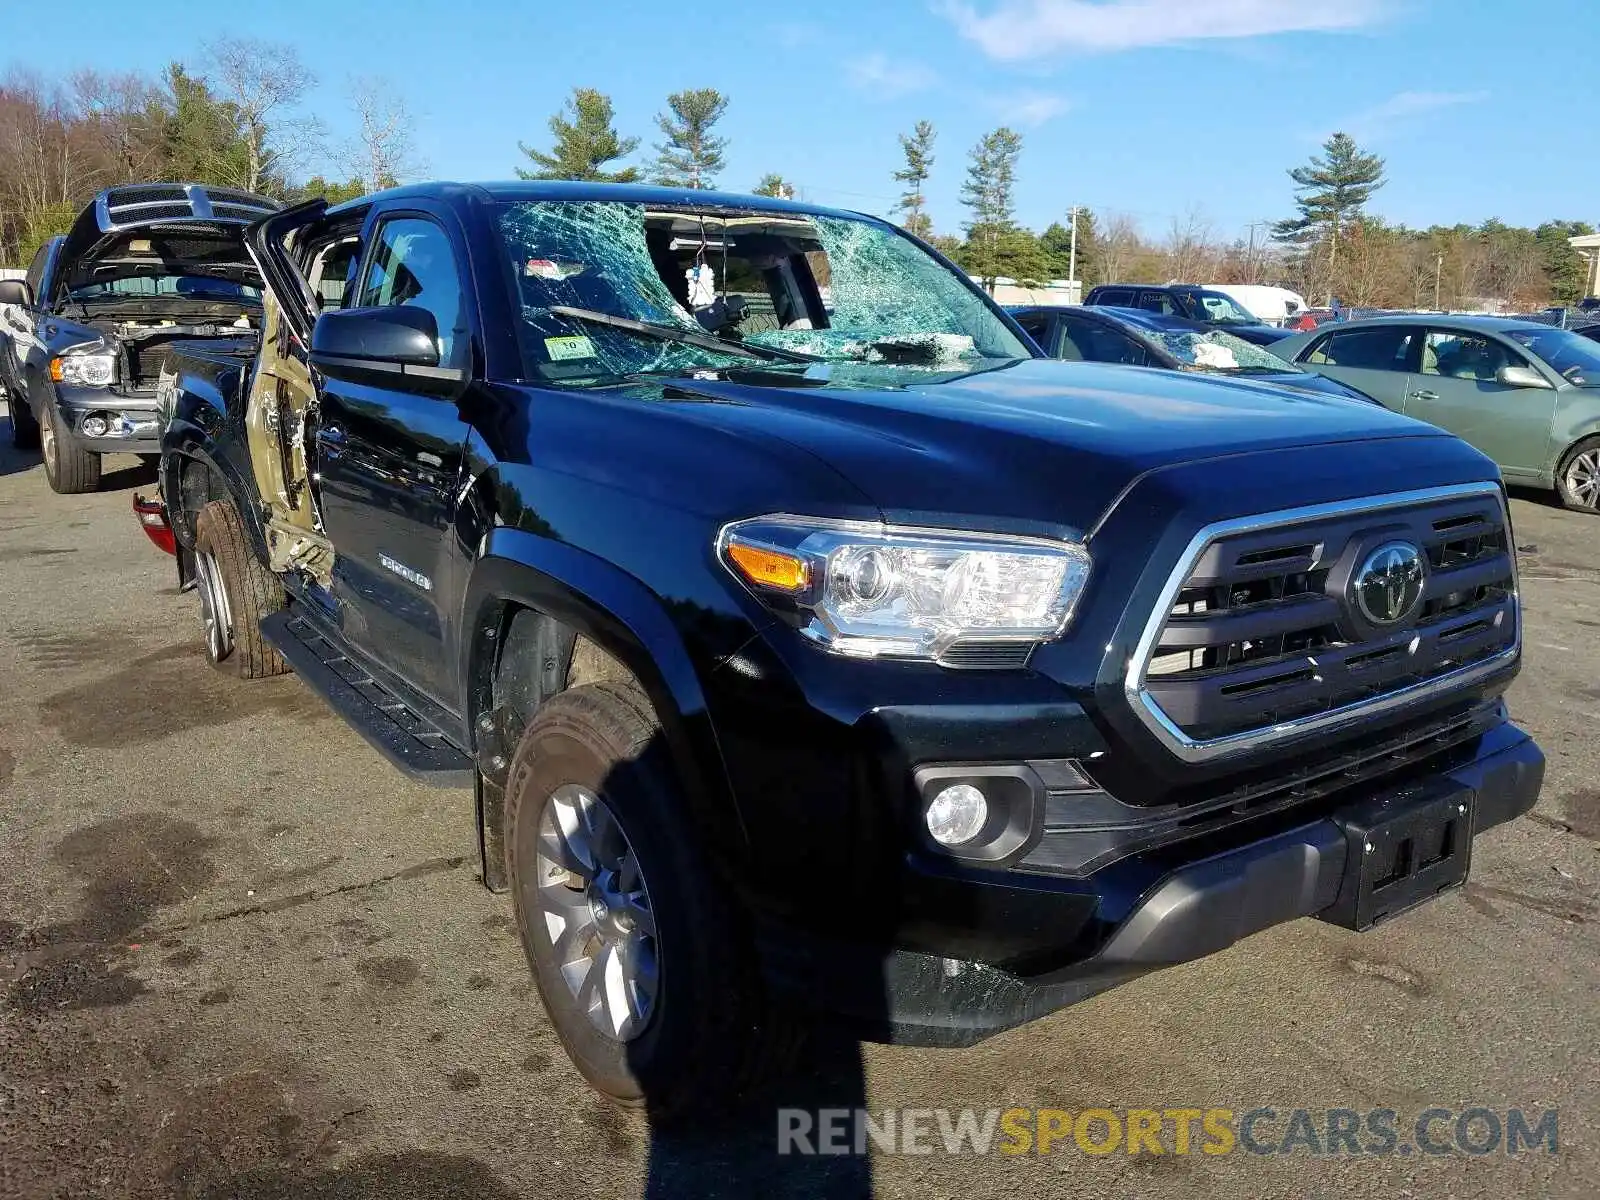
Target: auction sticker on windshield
[560, 349]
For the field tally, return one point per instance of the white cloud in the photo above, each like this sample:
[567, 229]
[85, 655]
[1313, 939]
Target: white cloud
[1028, 108]
[888, 79]
[1022, 29]
[1400, 110]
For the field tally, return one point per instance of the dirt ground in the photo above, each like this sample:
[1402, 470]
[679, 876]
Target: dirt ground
[242, 957]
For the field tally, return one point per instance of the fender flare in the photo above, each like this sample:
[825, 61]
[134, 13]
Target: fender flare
[600, 602]
[183, 441]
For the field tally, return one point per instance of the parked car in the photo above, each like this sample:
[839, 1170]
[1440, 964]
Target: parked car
[1134, 337]
[1186, 300]
[862, 659]
[142, 267]
[1592, 332]
[1526, 394]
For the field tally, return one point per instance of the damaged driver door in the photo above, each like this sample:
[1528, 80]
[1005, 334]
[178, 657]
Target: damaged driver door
[389, 447]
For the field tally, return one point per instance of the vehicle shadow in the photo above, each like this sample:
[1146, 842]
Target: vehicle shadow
[1543, 497]
[12, 460]
[816, 1084]
[740, 1153]
[139, 474]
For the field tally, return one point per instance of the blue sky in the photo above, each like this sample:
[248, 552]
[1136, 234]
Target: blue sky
[1154, 108]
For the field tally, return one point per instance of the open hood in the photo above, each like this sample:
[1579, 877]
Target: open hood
[161, 229]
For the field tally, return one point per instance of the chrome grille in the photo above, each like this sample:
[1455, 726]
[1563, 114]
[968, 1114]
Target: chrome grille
[1256, 637]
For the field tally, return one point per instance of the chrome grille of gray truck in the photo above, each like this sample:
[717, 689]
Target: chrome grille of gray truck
[1261, 632]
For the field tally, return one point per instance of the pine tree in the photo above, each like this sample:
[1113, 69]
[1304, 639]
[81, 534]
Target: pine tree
[585, 142]
[918, 150]
[989, 194]
[1331, 191]
[692, 155]
[1056, 243]
[776, 186]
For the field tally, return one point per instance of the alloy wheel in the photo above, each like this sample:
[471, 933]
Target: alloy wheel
[596, 911]
[47, 440]
[214, 608]
[1583, 478]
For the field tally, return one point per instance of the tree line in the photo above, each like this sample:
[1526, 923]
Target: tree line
[237, 116]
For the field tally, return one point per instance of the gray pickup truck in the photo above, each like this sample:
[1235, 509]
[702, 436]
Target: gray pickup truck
[84, 335]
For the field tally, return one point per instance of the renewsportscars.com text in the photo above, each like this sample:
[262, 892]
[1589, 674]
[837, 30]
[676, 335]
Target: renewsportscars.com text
[1212, 1131]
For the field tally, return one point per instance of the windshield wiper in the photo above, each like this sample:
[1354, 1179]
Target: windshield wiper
[672, 333]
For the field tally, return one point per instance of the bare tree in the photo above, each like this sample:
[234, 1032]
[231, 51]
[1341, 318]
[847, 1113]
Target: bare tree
[1117, 240]
[265, 81]
[1190, 251]
[383, 152]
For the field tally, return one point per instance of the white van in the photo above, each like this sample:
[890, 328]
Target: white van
[1274, 305]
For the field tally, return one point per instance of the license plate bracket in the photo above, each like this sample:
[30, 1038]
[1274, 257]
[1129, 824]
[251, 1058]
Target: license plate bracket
[1404, 848]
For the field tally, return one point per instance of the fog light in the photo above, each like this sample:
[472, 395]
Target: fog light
[95, 426]
[957, 814]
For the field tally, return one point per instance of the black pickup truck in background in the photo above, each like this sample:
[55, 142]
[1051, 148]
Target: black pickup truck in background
[846, 653]
[85, 333]
[1194, 303]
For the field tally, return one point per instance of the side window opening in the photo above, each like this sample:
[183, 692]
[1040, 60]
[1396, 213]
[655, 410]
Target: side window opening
[1384, 349]
[412, 263]
[35, 273]
[332, 268]
[1450, 354]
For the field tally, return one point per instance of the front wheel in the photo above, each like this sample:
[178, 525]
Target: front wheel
[644, 968]
[236, 591]
[1578, 479]
[69, 469]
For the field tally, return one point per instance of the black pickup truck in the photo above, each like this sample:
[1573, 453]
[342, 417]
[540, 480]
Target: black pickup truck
[808, 636]
[84, 334]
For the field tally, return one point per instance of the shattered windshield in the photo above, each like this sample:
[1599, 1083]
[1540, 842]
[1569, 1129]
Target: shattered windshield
[1214, 350]
[837, 289]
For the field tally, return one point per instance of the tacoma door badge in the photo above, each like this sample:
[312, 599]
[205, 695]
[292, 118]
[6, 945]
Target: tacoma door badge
[405, 572]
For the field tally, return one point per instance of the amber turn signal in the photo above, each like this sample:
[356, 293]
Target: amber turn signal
[55, 370]
[770, 568]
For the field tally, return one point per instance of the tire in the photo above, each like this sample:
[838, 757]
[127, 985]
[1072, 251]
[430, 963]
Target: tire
[24, 428]
[69, 469]
[1578, 477]
[698, 1030]
[236, 591]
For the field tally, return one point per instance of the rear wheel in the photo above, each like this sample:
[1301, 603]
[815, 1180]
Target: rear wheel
[69, 469]
[24, 429]
[645, 970]
[236, 591]
[1578, 479]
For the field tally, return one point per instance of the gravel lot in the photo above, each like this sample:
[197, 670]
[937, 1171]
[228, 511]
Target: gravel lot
[242, 957]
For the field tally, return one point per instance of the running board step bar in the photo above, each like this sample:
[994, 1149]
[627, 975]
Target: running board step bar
[408, 741]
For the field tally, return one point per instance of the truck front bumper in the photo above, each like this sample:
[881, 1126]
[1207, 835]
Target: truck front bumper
[132, 420]
[905, 996]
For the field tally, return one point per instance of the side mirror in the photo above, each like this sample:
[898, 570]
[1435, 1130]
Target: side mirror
[16, 291]
[396, 346]
[1521, 377]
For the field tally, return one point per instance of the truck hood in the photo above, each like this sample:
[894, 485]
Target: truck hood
[990, 443]
[166, 229]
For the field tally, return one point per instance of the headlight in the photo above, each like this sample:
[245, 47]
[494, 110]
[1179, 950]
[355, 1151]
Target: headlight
[84, 370]
[881, 591]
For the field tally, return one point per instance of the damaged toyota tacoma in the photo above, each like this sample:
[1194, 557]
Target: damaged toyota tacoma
[85, 332]
[803, 636]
